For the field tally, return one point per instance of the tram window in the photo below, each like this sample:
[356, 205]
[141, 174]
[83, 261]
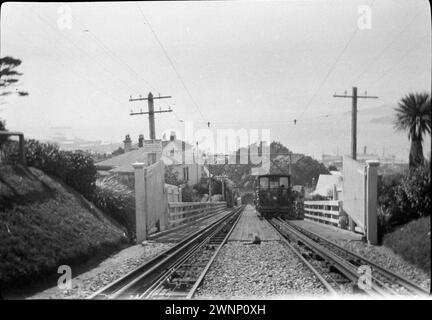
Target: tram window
[274, 183]
[284, 182]
[264, 182]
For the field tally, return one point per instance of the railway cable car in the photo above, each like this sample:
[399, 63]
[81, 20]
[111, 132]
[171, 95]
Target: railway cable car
[274, 196]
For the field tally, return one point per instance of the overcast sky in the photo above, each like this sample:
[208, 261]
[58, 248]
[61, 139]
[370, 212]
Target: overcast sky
[254, 64]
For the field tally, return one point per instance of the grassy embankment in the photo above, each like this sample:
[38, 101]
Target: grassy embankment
[45, 224]
[412, 241]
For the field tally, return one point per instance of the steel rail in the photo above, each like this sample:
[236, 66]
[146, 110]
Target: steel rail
[344, 267]
[326, 284]
[151, 292]
[402, 281]
[155, 277]
[207, 267]
[116, 288]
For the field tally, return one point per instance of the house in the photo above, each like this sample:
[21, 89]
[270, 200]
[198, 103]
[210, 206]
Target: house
[176, 154]
[329, 185]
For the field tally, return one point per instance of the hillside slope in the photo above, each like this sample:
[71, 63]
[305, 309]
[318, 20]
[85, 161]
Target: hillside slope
[45, 224]
[412, 241]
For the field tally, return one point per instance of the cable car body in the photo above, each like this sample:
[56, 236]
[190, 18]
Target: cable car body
[274, 196]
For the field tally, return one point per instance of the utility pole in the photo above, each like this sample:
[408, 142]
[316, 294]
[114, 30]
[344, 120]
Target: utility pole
[222, 178]
[150, 111]
[354, 97]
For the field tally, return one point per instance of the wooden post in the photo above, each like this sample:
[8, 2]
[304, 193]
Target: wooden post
[354, 98]
[371, 201]
[334, 190]
[140, 202]
[354, 124]
[163, 220]
[22, 150]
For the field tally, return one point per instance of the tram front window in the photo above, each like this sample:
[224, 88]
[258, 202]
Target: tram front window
[274, 183]
[264, 182]
[284, 182]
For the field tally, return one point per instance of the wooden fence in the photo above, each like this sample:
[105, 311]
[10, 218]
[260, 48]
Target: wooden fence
[184, 212]
[157, 205]
[326, 212]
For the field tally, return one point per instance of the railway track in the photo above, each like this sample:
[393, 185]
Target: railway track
[342, 268]
[177, 272]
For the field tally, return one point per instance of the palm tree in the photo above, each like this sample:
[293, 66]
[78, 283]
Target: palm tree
[413, 114]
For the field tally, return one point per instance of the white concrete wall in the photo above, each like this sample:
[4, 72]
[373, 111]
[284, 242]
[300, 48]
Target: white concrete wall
[354, 190]
[195, 172]
[150, 198]
[360, 190]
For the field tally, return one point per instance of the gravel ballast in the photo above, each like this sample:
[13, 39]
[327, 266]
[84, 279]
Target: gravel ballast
[386, 258]
[268, 270]
[108, 271]
[378, 254]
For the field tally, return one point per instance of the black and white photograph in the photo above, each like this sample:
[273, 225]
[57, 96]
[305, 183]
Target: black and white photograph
[211, 151]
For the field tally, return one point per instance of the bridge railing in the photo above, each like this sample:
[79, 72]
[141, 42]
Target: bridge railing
[184, 212]
[327, 212]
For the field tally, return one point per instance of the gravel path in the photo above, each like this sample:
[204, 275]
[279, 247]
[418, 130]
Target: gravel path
[267, 270]
[386, 258]
[109, 270]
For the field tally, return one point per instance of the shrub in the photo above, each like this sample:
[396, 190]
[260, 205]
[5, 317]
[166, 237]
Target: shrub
[118, 201]
[201, 187]
[343, 221]
[3, 139]
[416, 188]
[403, 198]
[318, 197]
[75, 168]
[189, 194]
[171, 177]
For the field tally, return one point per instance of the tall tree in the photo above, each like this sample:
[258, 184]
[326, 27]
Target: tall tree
[413, 114]
[9, 75]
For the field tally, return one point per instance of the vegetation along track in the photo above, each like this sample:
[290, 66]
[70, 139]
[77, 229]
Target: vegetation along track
[343, 268]
[177, 272]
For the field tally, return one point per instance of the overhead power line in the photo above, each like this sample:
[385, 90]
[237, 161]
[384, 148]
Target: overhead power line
[404, 55]
[331, 69]
[170, 61]
[67, 53]
[97, 62]
[380, 54]
[115, 56]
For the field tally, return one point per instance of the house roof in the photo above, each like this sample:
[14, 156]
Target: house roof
[325, 184]
[123, 162]
[177, 143]
[127, 158]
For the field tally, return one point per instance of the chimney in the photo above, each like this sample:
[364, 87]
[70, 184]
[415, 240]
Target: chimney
[140, 141]
[364, 150]
[172, 136]
[127, 143]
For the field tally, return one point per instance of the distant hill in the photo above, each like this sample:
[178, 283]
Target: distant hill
[96, 146]
[304, 169]
[44, 224]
